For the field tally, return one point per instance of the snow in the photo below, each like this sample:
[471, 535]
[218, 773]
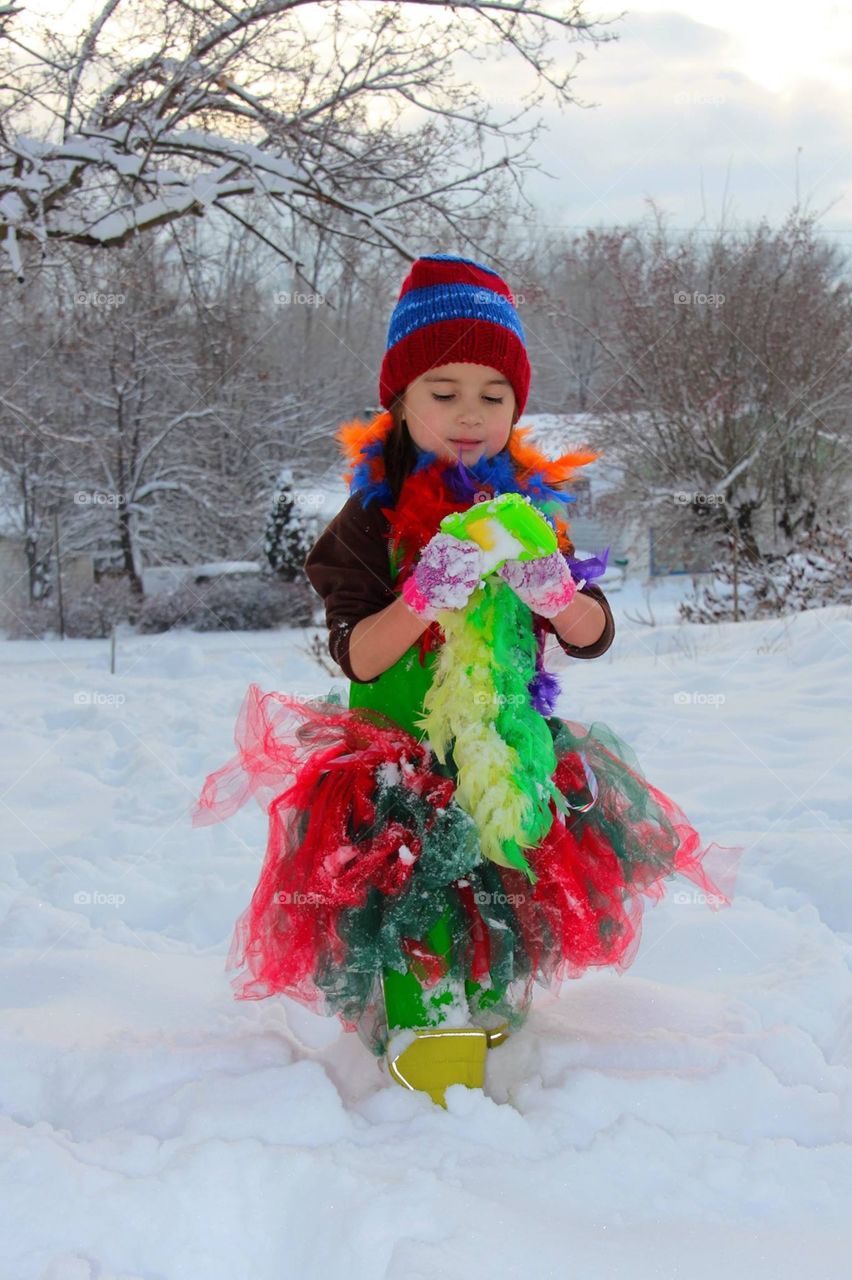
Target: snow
[223, 568]
[501, 546]
[52, 163]
[689, 1116]
[160, 579]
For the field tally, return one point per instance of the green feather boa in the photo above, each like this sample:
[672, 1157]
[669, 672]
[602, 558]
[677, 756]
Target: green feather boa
[479, 704]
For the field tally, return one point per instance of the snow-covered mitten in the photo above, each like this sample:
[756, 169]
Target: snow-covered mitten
[448, 571]
[544, 584]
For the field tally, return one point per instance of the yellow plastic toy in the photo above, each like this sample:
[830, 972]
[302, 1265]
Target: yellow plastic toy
[437, 1057]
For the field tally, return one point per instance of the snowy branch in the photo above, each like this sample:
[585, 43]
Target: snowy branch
[261, 105]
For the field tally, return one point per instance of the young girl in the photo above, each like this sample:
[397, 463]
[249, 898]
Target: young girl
[446, 840]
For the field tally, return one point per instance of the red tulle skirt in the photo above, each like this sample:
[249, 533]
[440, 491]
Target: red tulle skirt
[367, 845]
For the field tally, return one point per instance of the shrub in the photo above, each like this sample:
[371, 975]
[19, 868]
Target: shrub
[818, 572]
[258, 602]
[90, 615]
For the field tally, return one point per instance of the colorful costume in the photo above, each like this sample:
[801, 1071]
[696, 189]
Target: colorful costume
[446, 840]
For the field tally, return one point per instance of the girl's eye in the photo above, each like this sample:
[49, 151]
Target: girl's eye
[490, 399]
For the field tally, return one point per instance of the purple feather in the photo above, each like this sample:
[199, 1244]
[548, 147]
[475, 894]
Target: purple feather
[461, 482]
[594, 567]
[544, 688]
[544, 691]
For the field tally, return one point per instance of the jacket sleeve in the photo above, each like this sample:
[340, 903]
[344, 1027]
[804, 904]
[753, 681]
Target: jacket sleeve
[600, 645]
[348, 566]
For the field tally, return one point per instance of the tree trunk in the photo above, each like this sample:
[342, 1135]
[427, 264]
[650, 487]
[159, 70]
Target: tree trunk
[126, 542]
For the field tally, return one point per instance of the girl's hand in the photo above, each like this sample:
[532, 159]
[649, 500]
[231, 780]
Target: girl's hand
[448, 571]
[544, 584]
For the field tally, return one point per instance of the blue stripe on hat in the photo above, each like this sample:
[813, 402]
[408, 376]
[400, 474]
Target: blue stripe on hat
[421, 307]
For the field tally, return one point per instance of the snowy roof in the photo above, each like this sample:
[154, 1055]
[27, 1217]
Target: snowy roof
[327, 496]
[159, 579]
[221, 568]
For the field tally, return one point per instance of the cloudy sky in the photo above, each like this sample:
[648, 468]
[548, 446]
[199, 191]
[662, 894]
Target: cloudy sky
[699, 105]
[704, 104]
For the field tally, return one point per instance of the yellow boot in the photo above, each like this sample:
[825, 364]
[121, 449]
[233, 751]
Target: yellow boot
[441, 1056]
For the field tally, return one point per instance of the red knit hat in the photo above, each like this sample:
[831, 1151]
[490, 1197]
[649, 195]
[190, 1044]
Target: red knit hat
[453, 310]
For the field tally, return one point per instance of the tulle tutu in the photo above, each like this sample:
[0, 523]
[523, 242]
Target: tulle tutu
[367, 846]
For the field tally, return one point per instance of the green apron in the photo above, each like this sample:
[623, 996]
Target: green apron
[399, 693]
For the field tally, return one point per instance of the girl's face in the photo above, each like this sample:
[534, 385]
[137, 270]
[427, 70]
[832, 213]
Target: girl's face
[460, 411]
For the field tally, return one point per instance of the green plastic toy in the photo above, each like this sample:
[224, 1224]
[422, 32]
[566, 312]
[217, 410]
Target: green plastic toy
[506, 528]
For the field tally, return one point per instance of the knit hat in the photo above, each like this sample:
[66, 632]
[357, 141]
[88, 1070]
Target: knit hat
[453, 310]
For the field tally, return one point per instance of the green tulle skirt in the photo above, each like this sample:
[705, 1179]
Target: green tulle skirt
[374, 877]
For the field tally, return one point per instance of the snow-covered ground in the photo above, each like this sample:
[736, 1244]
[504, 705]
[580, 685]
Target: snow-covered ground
[689, 1116]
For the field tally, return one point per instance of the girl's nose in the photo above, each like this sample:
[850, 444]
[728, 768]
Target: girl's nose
[470, 413]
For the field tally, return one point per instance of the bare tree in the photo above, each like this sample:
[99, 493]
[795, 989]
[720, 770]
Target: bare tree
[32, 486]
[33, 473]
[563, 296]
[153, 395]
[132, 417]
[728, 385]
[363, 128]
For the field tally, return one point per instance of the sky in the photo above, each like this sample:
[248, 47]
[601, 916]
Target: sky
[702, 107]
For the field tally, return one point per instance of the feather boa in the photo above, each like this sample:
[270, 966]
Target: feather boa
[479, 703]
[490, 692]
[519, 468]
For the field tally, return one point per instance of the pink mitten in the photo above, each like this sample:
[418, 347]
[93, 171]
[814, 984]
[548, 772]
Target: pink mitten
[448, 570]
[545, 584]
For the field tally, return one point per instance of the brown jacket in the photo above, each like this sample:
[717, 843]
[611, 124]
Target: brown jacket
[348, 566]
